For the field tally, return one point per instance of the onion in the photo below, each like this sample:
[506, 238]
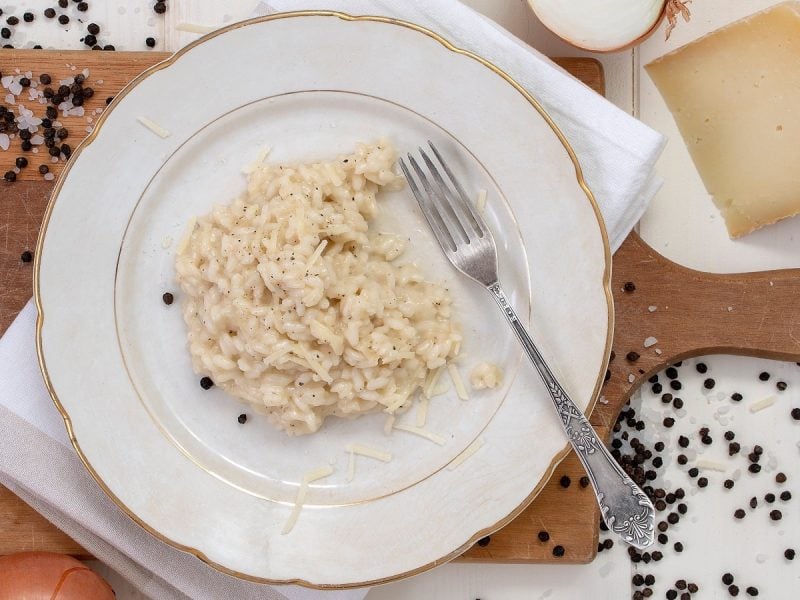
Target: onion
[44, 576]
[607, 25]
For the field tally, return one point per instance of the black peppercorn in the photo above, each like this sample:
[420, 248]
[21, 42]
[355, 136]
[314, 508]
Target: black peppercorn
[693, 472]
[727, 579]
[26, 146]
[243, 419]
[21, 162]
[753, 502]
[669, 422]
[49, 13]
[90, 40]
[28, 17]
[682, 508]
[584, 481]
[672, 595]
[763, 376]
[733, 448]
[728, 483]
[543, 536]
[796, 414]
[729, 435]
[739, 513]
[63, 19]
[678, 547]
[206, 383]
[82, 6]
[673, 518]
[785, 496]
[10, 176]
[5, 33]
[63, 3]
[93, 28]
[629, 286]
[709, 383]
[26, 256]
[781, 385]
[671, 372]
[789, 554]
[680, 584]
[150, 42]
[754, 468]
[66, 149]
[632, 356]
[702, 482]
[733, 590]
[160, 7]
[780, 477]
[693, 588]
[775, 515]
[51, 112]
[752, 591]
[707, 440]
[682, 459]
[54, 151]
[168, 298]
[565, 481]
[44, 169]
[675, 385]
[558, 551]
[109, 47]
[736, 397]
[12, 20]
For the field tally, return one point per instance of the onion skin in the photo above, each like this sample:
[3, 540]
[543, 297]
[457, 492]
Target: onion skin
[625, 46]
[48, 576]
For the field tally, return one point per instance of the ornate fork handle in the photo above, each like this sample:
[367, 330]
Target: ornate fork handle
[626, 509]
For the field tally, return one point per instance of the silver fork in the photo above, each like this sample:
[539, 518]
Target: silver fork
[468, 244]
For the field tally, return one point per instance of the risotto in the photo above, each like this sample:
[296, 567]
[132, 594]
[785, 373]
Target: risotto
[294, 305]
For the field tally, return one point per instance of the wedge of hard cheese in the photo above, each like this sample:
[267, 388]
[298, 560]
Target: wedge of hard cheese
[735, 95]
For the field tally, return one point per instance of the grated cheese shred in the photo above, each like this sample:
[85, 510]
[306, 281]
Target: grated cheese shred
[428, 435]
[310, 477]
[154, 127]
[457, 381]
[468, 451]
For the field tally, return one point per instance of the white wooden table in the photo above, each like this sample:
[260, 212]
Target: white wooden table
[714, 543]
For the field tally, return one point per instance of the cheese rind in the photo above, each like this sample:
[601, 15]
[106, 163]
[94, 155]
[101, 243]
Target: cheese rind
[735, 96]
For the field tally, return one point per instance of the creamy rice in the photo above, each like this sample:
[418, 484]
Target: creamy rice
[293, 305]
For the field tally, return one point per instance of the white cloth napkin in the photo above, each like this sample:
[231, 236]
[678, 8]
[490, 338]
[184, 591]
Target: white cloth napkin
[37, 462]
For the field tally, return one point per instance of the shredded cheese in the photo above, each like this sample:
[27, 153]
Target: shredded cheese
[196, 28]
[369, 452]
[762, 404]
[468, 451]
[711, 465]
[428, 435]
[154, 127]
[389, 425]
[457, 382]
[433, 378]
[308, 478]
[316, 254]
[422, 411]
[480, 203]
[262, 154]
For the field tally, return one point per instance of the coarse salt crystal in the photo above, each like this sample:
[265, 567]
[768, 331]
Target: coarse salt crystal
[37, 139]
[73, 68]
[85, 73]
[49, 176]
[15, 88]
[100, 81]
[17, 71]
[650, 341]
[10, 99]
[4, 141]
[35, 150]
[652, 308]
[631, 378]
[89, 129]
[75, 111]
[658, 351]
[6, 81]
[28, 74]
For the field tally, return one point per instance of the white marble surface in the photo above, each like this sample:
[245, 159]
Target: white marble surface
[715, 542]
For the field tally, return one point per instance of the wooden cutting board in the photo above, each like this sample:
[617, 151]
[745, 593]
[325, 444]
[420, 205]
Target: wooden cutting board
[695, 313]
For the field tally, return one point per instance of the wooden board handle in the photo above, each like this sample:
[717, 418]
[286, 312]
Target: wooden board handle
[696, 313]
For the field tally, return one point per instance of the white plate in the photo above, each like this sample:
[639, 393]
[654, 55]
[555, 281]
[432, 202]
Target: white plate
[174, 457]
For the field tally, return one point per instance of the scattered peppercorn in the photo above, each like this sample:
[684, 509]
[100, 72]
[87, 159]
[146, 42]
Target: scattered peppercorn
[709, 384]
[565, 481]
[781, 385]
[733, 590]
[678, 547]
[707, 440]
[780, 477]
[786, 496]
[160, 7]
[763, 376]
[632, 356]
[753, 502]
[733, 448]
[693, 472]
[63, 3]
[150, 42]
[727, 579]
[5, 33]
[63, 19]
[28, 17]
[12, 20]
[728, 484]
[558, 551]
[206, 383]
[775, 515]
[788, 554]
[682, 459]
[21, 162]
[90, 40]
[584, 481]
[683, 441]
[729, 435]
[629, 287]
[796, 414]
[544, 536]
[83, 6]
[669, 422]
[754, 468]
[736, 397]
[243, 419]
[93, 28]
[671, 372]
[701, 367]
[483, 542]
[49, 13]
[675, 385]
[739, 513]
[10, 176]
[167, 298]
[752, 591]
[26, 256]
[702, 482]
[693, 588]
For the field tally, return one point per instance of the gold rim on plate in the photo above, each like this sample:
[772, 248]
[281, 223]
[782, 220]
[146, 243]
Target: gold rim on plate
[166, 63]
